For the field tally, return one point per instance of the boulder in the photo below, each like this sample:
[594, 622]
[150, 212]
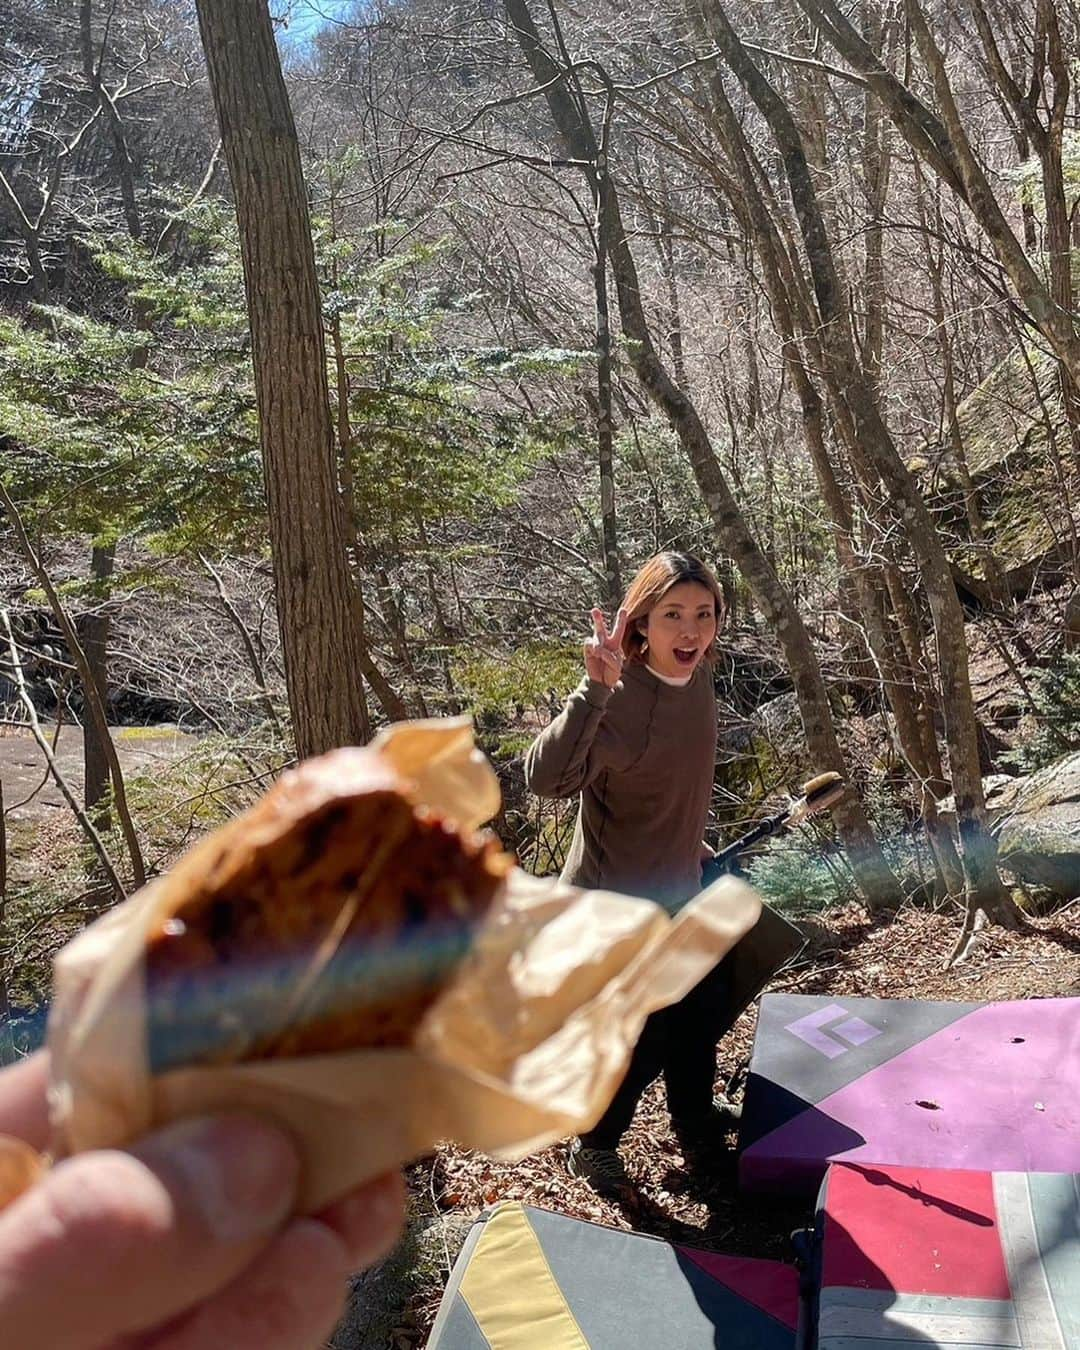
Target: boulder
[1038, 827]
[1072, 622]
[999, 793]
[1009, 425]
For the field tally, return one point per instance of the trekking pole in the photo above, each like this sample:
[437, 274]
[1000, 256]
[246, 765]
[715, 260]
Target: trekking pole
[819, 794]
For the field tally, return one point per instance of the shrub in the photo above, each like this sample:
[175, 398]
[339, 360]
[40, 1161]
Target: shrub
[1055, 693]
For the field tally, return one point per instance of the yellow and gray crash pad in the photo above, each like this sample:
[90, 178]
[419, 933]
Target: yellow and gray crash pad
[528, 1279]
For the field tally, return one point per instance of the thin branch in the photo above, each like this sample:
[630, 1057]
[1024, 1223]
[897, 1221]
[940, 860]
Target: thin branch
[823, 66]
[200, 191]
[85, 823]
[91, 697]
[249, 646]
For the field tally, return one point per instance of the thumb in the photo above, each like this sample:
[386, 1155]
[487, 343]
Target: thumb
[112, 1243]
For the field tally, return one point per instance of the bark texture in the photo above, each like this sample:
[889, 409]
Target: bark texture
[315, 605]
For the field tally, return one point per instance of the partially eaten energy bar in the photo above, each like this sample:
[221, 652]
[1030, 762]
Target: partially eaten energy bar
[327, 917]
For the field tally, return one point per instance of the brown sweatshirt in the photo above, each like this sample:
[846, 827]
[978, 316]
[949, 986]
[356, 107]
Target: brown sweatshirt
[642, 757]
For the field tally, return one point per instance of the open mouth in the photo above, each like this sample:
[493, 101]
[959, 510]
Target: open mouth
[686, 656]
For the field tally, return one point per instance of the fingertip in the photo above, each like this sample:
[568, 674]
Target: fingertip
[369, 1220]
[315, 1245]
[23, 1108]
[291, 1295]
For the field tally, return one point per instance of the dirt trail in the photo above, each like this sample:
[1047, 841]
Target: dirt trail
[23, 767]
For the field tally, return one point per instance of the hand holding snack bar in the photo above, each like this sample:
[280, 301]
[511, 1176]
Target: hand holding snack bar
[354, 962]
[184, 1241]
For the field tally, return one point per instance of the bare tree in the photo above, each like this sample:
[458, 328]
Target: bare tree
[569, 113]
[853, 394]
[941, 139]
[798, 322]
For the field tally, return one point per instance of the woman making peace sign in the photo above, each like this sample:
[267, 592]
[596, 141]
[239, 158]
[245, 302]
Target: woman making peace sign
[637, 740]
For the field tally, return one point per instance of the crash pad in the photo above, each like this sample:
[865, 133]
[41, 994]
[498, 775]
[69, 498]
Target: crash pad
[528, 1279]
[918, 1257]
[982, 1086]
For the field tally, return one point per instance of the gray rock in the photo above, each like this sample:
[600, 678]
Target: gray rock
[999, 791]
[1038, 827]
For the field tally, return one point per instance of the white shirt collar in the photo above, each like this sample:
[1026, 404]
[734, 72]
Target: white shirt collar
[676, 681]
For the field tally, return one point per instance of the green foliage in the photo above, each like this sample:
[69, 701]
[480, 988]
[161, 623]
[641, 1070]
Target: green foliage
[426, 444]
[492, 686]
[1028, 175]
[199, 292]
[141, 425]
[141, 421]
[431, 435]
[659, 503]
[1055, 693]
[805, 872]
[794, 876]
[184, 798]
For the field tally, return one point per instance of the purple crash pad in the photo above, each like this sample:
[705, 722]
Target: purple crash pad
[992, 1087]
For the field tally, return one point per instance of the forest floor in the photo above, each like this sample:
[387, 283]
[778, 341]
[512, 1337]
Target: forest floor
[847, 955]
[25, 776]
[899, 957]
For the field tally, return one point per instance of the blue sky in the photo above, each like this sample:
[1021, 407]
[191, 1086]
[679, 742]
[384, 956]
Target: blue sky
[306, 17]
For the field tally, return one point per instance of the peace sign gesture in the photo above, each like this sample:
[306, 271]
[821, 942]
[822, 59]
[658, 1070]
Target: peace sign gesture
[603, 651]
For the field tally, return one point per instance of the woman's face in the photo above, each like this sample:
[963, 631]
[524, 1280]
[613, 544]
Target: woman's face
[680, 629]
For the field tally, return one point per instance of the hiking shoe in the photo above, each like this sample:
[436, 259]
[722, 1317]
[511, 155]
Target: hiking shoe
[602, 1168]
[720, 1117]
[729, 1112]
[704, 1139]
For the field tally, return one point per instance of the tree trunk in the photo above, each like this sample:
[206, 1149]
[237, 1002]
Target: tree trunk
[1048, 57]
[900, 692]
[105, 101]
[399, 637]
[984, 890]
[314, 600]
[393, 705]
[877, 162]
[943, 143]
[94, 634]
[665, 247]
[94, 706]
[604, 418]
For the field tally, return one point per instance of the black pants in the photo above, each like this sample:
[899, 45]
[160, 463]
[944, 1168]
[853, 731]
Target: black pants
[679, 1042]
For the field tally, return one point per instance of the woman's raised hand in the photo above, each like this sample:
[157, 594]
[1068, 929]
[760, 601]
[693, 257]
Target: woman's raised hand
[603, 651]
